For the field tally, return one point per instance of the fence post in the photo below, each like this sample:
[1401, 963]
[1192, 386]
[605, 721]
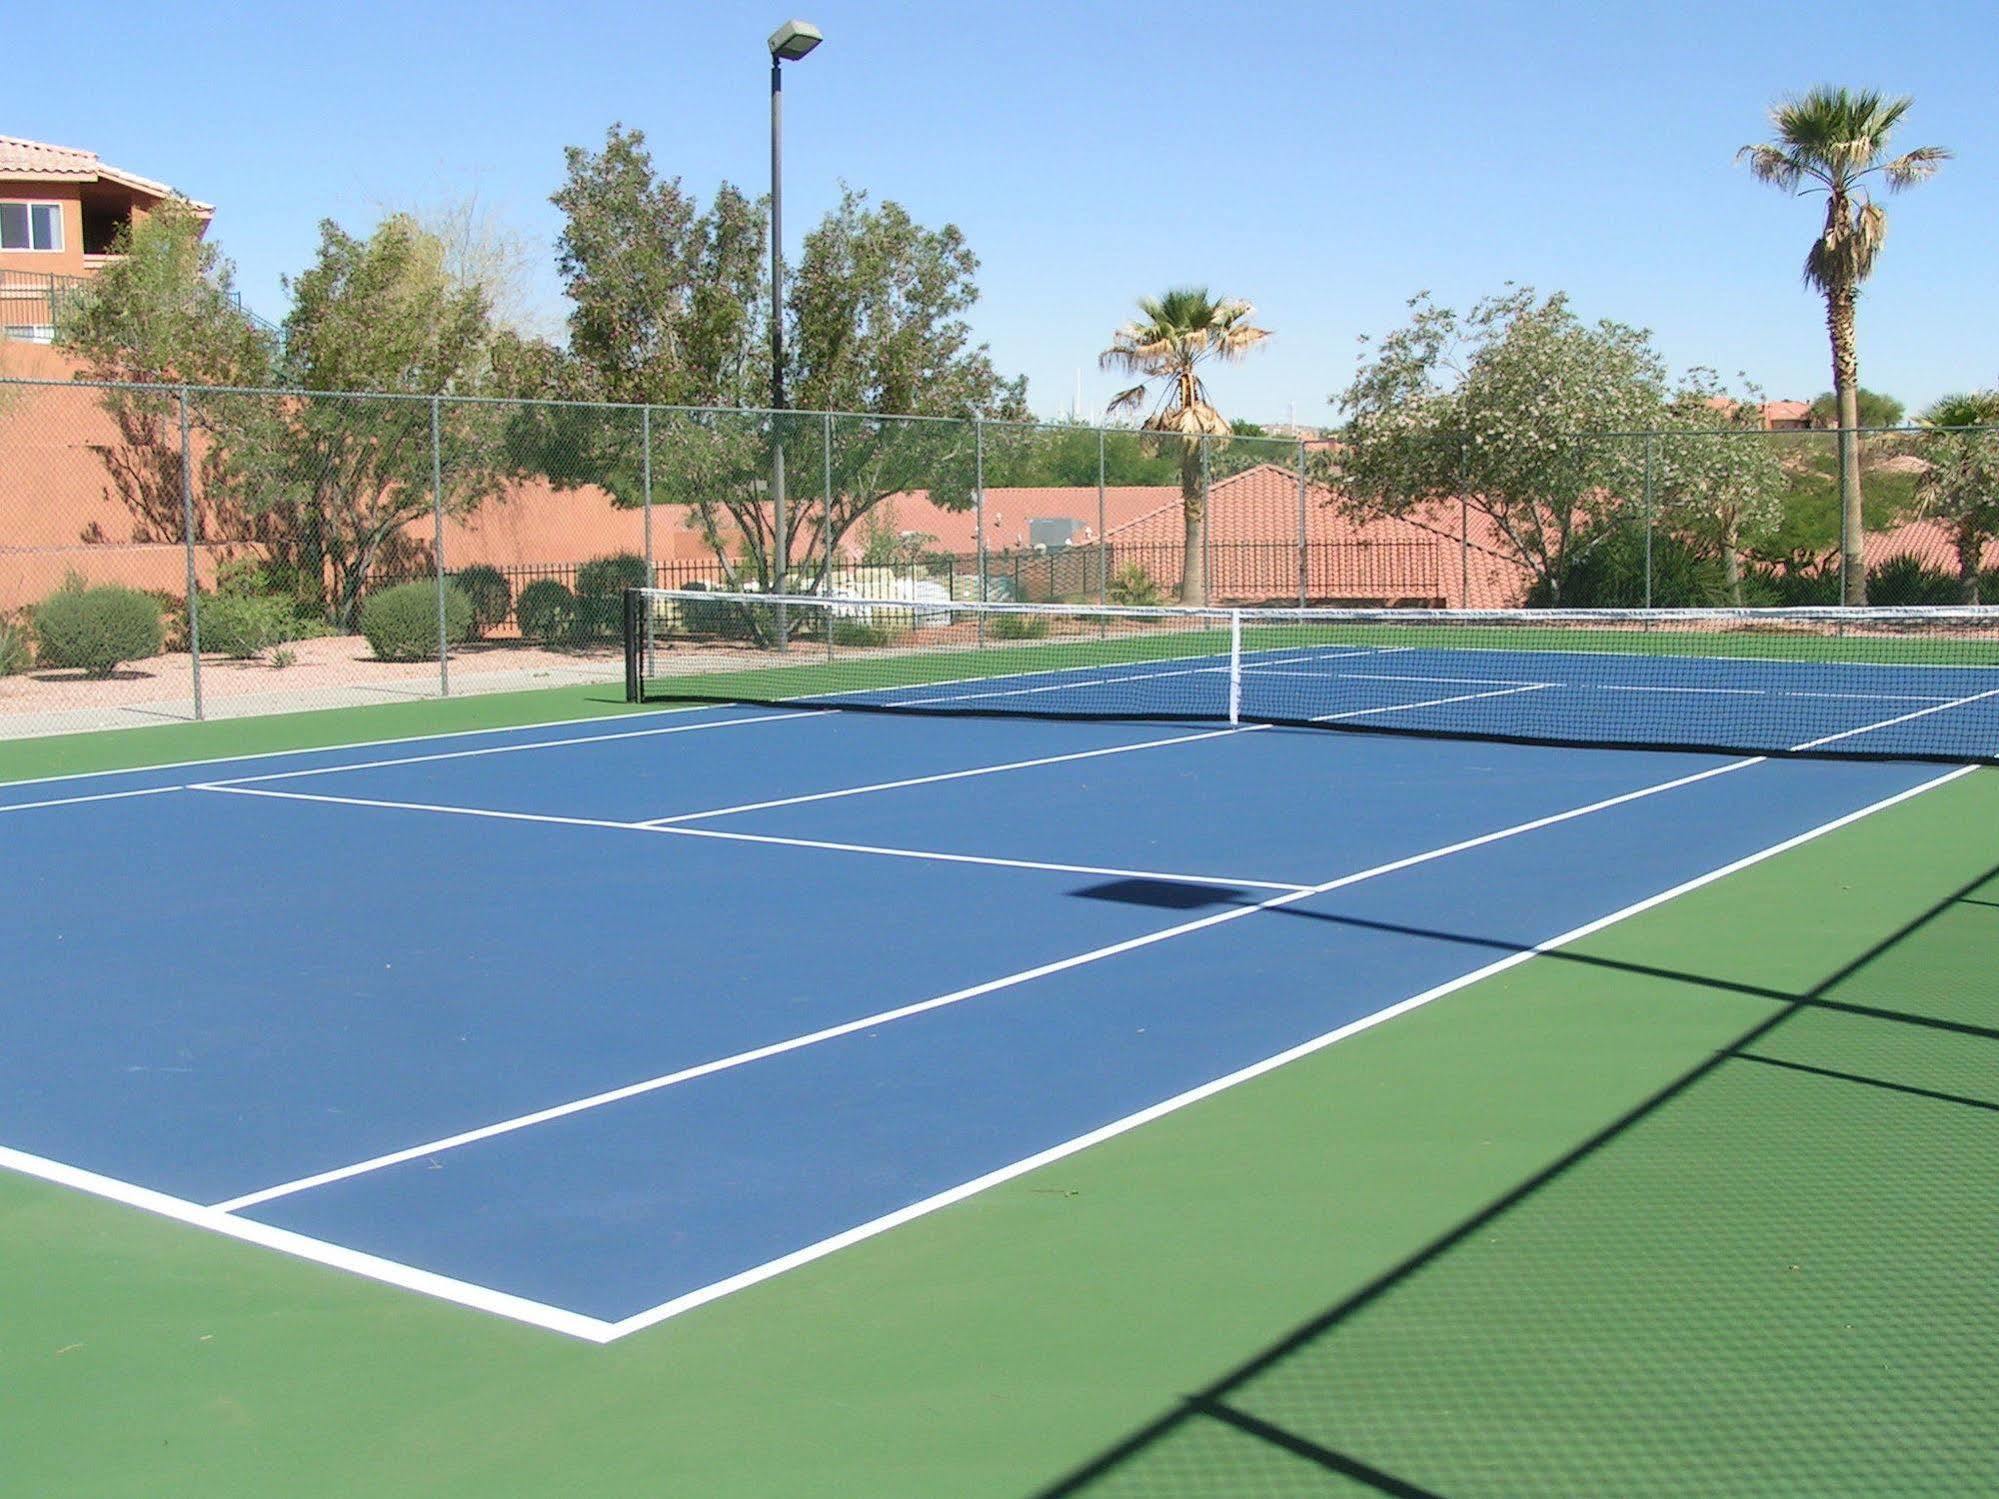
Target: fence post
[780, 541]
[1651, 447]
[1207, 532]
[979, 513]
[826, 460]
[645, 443]
[1464, 528]
[187, 531]
[1103, 530]
[437, 540]
[1304, 543]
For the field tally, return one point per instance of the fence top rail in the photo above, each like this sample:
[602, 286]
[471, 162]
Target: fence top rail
[1861, 616]
[760, 412]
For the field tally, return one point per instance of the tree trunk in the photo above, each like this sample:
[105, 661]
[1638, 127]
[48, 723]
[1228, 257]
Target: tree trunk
[1194, 507]
[1731, 568]
[1970, 552]
[1846, 392]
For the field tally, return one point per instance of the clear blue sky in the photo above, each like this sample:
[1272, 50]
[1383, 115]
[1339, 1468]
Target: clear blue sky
[1324, 161]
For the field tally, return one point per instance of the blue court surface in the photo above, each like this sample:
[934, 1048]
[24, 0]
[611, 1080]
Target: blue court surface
[587, 1024]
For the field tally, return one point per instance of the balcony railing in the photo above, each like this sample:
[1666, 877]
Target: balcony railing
[31, 301]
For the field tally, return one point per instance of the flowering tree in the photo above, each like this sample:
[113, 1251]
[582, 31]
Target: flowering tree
[1516, 406]
[1719, 482]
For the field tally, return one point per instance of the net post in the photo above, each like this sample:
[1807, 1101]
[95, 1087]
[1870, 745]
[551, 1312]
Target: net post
[1304, 544]
[1235, 666]
[187, 531]
[437, 540]
[826, 461]
[979, 515]
[634, 667]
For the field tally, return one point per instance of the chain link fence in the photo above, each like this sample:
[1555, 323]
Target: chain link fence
[179, 553]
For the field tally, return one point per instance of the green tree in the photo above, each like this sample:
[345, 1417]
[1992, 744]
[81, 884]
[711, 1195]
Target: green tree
[335, 476]
[1831, 140]
[1960, 484]
[1719, 482]
[1516, 406]
[1874, 409]
[1166, 345]
[669, 309]
[165, 312]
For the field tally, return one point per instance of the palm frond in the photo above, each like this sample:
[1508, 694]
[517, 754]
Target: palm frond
[1914, 166]
[1772, 164]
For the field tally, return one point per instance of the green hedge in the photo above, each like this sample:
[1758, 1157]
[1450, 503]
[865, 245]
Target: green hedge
[546, 610]
[400, 623]
[491, 595]
[95, 630]
[1020, 626]
[600, 594]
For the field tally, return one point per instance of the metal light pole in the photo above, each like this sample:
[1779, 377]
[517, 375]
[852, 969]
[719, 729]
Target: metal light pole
[791, 41]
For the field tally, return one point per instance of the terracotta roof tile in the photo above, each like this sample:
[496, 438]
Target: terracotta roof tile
[25, 158]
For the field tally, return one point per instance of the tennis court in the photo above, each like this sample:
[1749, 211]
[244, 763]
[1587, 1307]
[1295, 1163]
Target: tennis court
[587, 1025]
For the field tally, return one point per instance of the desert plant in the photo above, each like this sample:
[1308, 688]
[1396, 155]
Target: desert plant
[400, 623]
[95, 630]
[491, 595]
[244, 625]
[546, 610]
[1019, 627]
[1910, 581]
[1132, 584]
[861, 632]
[14, 652]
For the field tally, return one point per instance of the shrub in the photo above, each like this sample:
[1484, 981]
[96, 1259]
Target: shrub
[863, 632]
[1019, 626]
[14, 653]
[600, 594]
[1609, 573]
[1132, 584]
[243, 625]
[726, 620]
[546, 610]
[95, 630]
[401, 622]
[491, 595]
[1909, 580]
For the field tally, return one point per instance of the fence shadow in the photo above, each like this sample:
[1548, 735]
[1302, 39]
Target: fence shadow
[1757, 1275]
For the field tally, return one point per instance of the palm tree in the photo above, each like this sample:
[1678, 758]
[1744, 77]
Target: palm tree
[1168, 343]
[1829, 140]
[1961, 484]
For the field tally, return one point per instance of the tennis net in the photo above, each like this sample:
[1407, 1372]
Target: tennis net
[1880, 683]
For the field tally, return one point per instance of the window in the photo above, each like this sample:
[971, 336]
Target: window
[33, 333]
[30, 226]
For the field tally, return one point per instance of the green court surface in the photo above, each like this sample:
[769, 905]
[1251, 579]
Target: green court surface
[1702, 1204]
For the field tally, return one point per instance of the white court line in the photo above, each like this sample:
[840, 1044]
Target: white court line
[301, 1246]
[1435, 702]
[514, 749]
[1100, 679]
[835, 846]
[950, 775]
[100, 796]
[1855, 697]
[954, 997]
[498, 814]
[1902, 718]
[855, 1235]
[361, 744]
[591, 1329]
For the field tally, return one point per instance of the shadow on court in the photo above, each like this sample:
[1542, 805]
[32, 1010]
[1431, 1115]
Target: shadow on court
[1773, 1275]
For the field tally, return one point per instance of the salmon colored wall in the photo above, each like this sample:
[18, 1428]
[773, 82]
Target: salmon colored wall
[68, 261]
